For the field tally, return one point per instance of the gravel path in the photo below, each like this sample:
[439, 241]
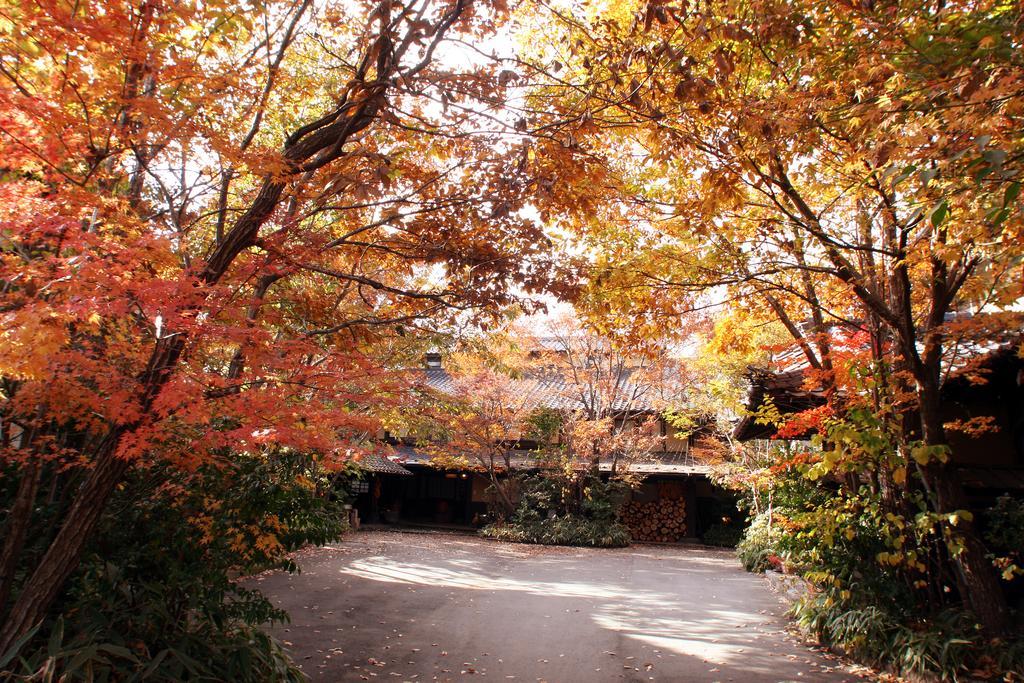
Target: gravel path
[444, 607]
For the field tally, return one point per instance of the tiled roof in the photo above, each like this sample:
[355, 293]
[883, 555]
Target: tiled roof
[788, 394]
[551, 390]
[967, 358]
[380, 464]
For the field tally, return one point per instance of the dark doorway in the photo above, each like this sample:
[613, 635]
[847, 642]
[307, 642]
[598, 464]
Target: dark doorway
[436, 497]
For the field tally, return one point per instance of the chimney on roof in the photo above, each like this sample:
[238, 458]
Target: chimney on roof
[432, 360]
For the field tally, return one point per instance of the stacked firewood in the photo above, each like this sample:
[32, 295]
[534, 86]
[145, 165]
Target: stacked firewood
[662, 521]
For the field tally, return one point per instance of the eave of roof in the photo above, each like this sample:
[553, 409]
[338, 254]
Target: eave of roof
[380, 464]
[660, 463]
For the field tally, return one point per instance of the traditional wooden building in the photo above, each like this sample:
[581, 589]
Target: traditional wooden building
[676, 500]
[982, 383]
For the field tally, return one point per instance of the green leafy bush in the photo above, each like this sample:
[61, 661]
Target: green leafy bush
[724, 535]
[1005, 524]
[563, 508]
[756, 549]
[882, 590]
[947, 645]
[873, 597]
[1004, 533]
[570, 530]
[166, 602]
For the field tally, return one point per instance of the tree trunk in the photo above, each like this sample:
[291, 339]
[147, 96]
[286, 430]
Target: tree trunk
[508, 508]
[977, 580]
[309, 148]
[65, 552]
[17, 528]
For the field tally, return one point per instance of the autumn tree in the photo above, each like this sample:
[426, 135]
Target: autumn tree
[858, 162]
[613, 395]
[220, 227]
[575, 400]
[481, 423]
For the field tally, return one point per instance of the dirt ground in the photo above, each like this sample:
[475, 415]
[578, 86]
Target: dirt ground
[444, 607]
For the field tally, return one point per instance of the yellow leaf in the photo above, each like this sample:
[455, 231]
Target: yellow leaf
[28, 343]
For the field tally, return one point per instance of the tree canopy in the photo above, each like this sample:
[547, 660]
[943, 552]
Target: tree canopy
[227, 231]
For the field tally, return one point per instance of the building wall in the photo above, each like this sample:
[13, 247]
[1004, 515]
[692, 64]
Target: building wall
[1000, 399]
[480, 486]
[674, 442]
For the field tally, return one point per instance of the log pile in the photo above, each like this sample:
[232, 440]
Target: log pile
[662, 521]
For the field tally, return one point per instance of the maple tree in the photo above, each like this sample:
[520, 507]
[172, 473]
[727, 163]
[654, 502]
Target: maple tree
[556, 396]
[855, 164]
[614, 393]
[480, 424]
[224, 229]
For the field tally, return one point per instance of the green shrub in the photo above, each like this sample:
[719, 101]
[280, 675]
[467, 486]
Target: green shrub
[1004, 525]
[874, 595]
[210, 652]
[160, 596]
[756, 550]
[724, 535]
[852, 517]
[565, 508]
[947, 645]
[570, 530]
[1004, 534]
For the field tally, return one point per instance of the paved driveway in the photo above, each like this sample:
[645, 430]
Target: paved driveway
[391, 606]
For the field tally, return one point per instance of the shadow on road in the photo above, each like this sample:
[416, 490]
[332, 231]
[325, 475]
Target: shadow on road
[440, 607]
